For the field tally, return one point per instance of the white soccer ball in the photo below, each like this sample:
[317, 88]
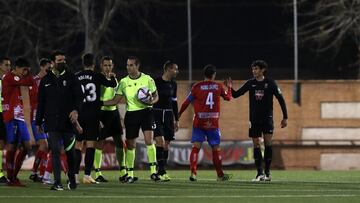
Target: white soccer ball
[143, 95]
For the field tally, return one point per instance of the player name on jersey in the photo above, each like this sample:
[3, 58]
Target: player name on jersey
[85, 77]
[209, 87]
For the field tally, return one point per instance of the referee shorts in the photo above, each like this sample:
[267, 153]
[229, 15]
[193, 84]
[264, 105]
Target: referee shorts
[134, 120]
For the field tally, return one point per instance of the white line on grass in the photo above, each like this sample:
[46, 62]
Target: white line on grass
[175, 196]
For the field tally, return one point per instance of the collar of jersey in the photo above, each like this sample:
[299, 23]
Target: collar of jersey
[137, 77]
[62, 73]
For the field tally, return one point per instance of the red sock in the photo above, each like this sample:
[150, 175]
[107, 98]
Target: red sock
[20, 157]
[39, 159]
[10, 158]
[64, 165]
[49, 166]
[193, 160]
[43, 164]
[217, 160]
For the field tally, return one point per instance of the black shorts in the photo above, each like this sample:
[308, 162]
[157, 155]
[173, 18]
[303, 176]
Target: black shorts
[112, 124]
[164, 124]
[91, 127]
[134, 120]
[2, 128]
[260, 127]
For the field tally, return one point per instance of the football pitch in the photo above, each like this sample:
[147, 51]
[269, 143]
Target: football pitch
[286, 186]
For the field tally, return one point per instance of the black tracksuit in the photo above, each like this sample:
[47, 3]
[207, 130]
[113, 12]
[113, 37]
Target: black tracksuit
[57, 97]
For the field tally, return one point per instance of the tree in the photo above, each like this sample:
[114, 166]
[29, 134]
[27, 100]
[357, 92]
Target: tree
[328, 23]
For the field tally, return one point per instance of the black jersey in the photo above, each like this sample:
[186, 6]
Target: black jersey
[167, 95]
[261, 98]
[91, 82]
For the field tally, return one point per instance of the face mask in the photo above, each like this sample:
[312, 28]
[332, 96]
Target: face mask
[61, 67]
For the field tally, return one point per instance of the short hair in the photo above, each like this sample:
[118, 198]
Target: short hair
[44, 61]
[88, 59]
[209, 70]
[168, 64]
[57, 53]
[22, 62]
[105, 58]
[137, 60]
[260, 63]
[4, 58]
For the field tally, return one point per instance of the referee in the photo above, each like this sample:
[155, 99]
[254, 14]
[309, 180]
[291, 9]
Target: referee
[166, 116]
[138, 115]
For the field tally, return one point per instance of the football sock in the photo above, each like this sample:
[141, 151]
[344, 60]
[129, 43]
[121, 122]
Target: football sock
[160, 160]
[19, 161]
[10, 156]
[130, 159]
[1, 162]
[97, 162]
[151, 153]
[39, 158]
[120, 156]
[89, 160]
[193, 160]
[49, 166]
[268, 158]
[77, 160]
[217, 160]
[258, 160]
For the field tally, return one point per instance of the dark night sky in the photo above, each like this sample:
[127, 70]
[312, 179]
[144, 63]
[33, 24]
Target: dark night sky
[233, 33]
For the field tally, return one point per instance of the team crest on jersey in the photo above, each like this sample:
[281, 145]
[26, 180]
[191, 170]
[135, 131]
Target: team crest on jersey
[259, 94]
[64, 83]
[266, 85]
[16, 78]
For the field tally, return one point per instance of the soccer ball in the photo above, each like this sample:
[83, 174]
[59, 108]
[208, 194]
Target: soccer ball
[143, 95]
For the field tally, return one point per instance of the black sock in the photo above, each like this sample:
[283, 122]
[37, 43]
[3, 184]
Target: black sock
[160, 160]
[268, 158]
[89, 160]
[77, 161]
[166, 157]
[258, 160]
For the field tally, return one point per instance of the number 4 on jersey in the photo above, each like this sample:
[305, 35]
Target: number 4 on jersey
[210, 100]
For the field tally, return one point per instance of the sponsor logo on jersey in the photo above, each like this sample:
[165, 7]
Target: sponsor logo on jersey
[259, 94]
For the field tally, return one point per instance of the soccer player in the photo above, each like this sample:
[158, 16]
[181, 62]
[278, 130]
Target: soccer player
[138, 115]
[166, 116]
[5, 65]
[110, 119]
[58, 106]
[205, 96]
[261, 91]
[40, 138]
[17, 134]
[89, 115]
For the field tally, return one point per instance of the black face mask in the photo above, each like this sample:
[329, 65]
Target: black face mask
[61, 67]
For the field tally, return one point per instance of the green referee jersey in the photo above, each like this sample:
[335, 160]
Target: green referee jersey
[129, 87]
[108, 93]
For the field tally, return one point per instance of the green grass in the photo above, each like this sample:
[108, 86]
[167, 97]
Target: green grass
[287, 186]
